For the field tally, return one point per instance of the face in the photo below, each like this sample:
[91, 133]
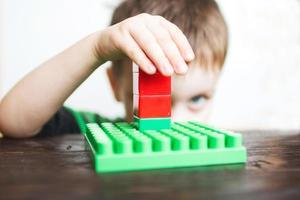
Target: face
[192, 93]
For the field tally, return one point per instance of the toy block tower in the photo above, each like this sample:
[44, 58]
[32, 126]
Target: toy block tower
[151, 100]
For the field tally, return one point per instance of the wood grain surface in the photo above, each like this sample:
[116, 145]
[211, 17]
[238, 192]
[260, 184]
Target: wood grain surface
[60, 167]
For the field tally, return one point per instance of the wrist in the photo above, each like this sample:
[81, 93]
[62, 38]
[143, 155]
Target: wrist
[95, 58]
[98, 47]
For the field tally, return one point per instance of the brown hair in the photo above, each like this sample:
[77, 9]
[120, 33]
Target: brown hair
[200, 20]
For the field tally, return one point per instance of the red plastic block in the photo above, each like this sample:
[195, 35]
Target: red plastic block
[152, 106]
[156, 84]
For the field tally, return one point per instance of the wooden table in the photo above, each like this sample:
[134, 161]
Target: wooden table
[59, 167]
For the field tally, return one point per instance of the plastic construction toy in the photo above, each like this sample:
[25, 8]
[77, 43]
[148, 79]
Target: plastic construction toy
[152, 141]
[151, 100]
[122, 147]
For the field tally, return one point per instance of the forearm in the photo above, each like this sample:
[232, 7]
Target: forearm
[152, 42]
[33, 101]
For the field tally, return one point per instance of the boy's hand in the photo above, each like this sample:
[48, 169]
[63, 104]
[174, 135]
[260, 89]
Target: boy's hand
[149, 41]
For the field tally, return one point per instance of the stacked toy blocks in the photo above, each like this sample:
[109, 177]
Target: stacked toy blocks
[151, 100]
[122, 147]
[152, 141]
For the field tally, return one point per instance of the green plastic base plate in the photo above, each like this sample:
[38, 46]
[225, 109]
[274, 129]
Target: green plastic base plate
[122, 147]
[152, 123]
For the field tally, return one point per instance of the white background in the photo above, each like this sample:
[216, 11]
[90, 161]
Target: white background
[259, 87]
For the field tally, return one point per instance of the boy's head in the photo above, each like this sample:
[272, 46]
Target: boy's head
[204, 26]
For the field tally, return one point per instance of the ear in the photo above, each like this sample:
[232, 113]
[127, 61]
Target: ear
[113, 83]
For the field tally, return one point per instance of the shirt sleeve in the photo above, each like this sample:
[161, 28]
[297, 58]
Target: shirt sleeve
[61, 123]
[68, 120]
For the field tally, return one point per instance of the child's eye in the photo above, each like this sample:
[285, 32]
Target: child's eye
[197, 102]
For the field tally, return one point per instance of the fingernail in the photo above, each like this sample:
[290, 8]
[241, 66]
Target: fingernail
[189, 56]
[183, 68]
[168, 70]
[151, 69]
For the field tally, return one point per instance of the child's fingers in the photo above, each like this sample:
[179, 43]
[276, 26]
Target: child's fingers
[128, 45]
[180, 40]
[149, 45]
[170, 49]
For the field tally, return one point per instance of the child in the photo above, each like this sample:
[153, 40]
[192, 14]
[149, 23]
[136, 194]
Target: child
[155, 41]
